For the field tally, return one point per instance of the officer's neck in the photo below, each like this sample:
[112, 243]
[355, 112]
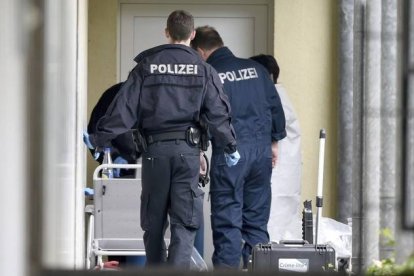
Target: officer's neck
[182, 42]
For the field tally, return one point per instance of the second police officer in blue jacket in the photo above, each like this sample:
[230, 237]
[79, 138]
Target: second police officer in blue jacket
[167, 95]
[241, 195]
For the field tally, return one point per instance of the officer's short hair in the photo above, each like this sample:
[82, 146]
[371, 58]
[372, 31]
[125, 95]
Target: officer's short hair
[180, 24]
[207, 38]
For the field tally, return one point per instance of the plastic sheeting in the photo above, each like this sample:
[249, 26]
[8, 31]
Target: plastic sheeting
[336, 234]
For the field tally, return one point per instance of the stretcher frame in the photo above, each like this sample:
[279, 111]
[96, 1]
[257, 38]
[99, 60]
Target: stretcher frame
[114, 218]
[113, 227]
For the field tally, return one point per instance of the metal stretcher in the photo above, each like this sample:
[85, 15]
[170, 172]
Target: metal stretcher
[113, 227]
[114, 218]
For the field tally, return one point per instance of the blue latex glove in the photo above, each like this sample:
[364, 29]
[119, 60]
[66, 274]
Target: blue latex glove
[119, 160]
[96, 154]
[232, 158]
[87, 141]
[89, 191]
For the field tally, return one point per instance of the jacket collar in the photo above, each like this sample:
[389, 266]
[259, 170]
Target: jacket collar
[163, 47]
[220, 53]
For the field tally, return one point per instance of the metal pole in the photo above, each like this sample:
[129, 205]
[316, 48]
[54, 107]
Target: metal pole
[389, 169]
[372, 134]
[345, 159]
[358, 84]
[319, 193]
[405, 191]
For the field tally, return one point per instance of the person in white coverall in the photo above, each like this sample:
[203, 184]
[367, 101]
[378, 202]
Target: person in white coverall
[285, 211]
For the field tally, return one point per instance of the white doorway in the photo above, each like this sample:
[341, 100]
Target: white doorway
[245, 26]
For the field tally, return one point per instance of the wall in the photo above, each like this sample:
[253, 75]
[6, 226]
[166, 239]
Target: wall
[102, 63]
[14, 205]
[305, 47]
[61, 161]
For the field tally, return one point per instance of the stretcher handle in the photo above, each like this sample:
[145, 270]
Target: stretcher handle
[322, 138]
[319, 194]
[120, 166]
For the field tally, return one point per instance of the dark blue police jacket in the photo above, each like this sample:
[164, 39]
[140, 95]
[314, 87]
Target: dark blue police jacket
[170, 89]
[256, 109]
[123, 145]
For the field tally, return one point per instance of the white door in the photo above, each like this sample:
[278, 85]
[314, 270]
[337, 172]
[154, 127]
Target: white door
[245, 29]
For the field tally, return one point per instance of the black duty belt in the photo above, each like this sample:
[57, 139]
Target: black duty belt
[166, 136]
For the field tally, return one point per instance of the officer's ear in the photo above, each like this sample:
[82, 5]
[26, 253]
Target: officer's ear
[193, 33]
[168, 36]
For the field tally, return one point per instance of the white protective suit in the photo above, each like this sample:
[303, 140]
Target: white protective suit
[286, 210]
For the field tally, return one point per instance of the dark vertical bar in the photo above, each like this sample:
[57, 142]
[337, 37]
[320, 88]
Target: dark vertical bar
[407, 223]
[35, 69]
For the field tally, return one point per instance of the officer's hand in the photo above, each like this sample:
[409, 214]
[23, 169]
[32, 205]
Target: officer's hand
[275, 153]
[119, 160]
[232, 158]
[87, 141]
[203, 164]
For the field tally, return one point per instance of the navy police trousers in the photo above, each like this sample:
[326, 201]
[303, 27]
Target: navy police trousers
[170, 172]
[240, 203]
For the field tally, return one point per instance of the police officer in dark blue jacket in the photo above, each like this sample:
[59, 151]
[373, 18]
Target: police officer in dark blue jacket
[170, 93]
[240, 195]
[123, 148]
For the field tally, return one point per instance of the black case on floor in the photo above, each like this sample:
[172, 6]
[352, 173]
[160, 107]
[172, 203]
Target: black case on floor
[292, 256]
[299, 256]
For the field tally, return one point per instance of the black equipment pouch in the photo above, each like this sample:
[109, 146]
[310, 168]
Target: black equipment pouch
[204, 139]
[193, 136]
[203, 178]
[139, 140]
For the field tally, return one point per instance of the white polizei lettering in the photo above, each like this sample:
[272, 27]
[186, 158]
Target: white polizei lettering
[253, 73]
[237, 75]
[179, 69]
[162, 68]
[244, 74]
[153, 67]
[241, 74]
[190, 69]
[222, 77]
[230, 76]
